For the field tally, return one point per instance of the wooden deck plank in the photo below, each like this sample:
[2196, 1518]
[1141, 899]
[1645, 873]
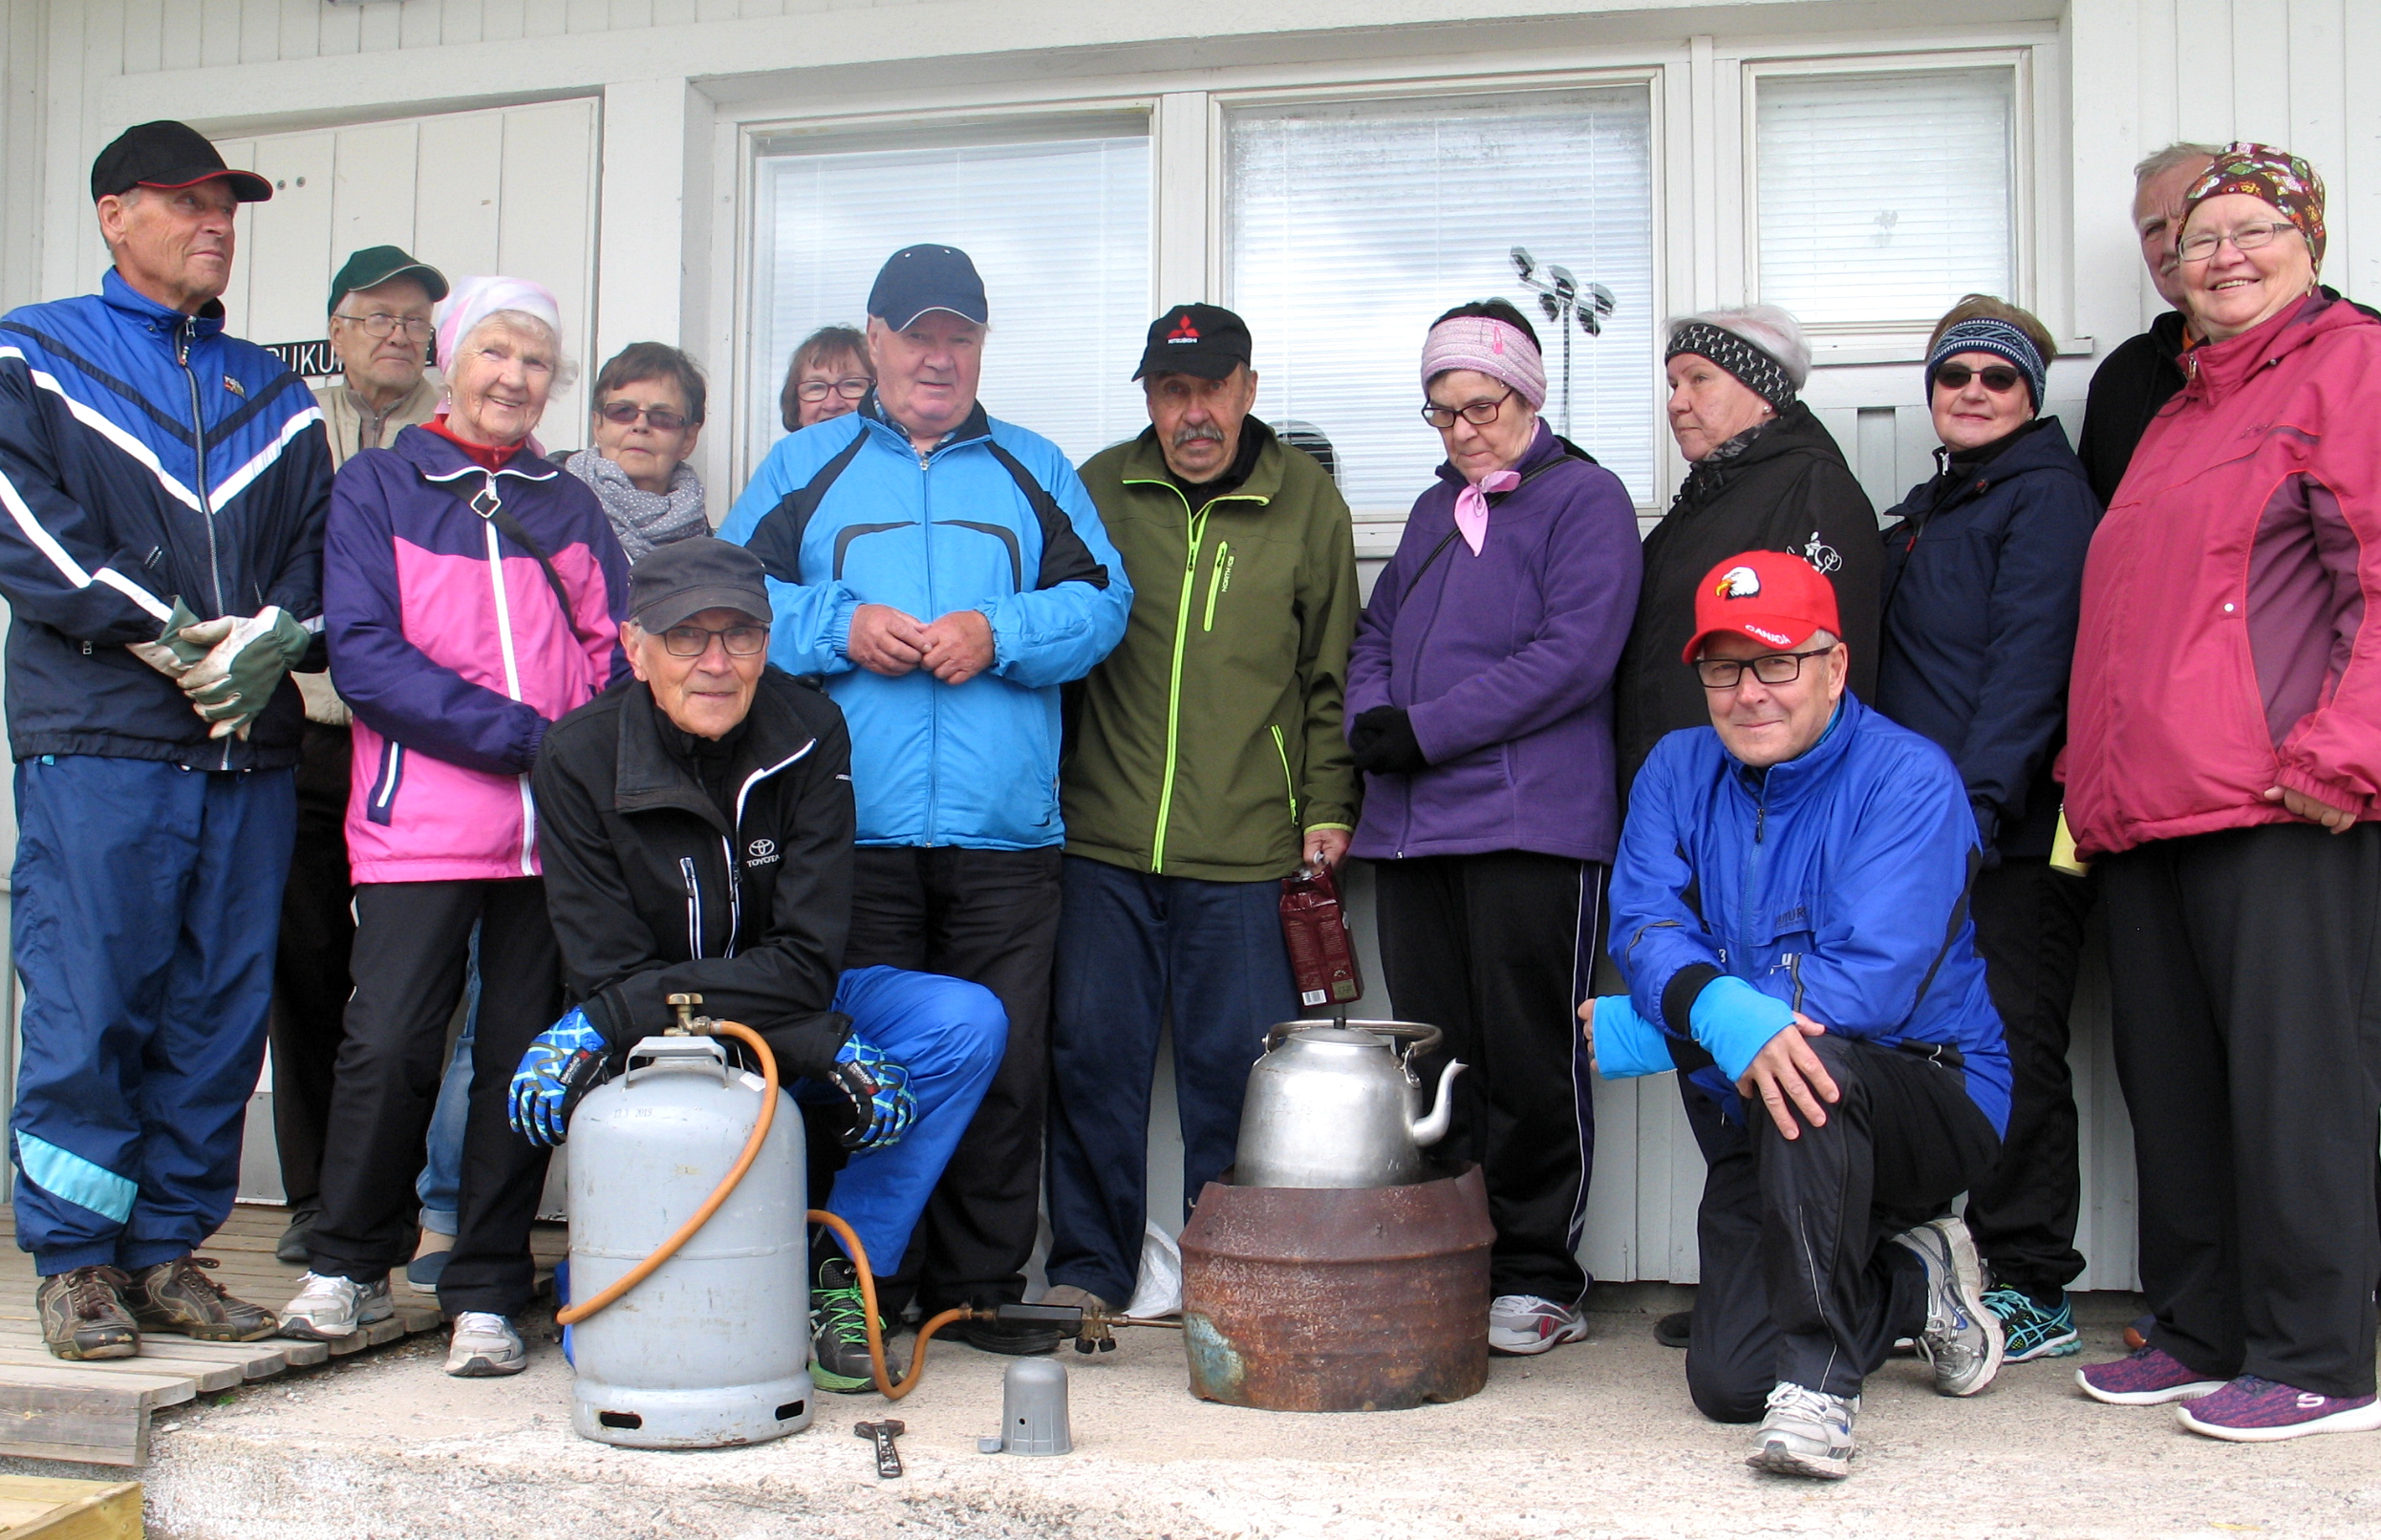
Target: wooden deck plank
[38, 1508]
[204, 1377]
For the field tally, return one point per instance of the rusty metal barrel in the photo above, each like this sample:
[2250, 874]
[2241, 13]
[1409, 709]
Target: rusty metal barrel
[1338, 1299]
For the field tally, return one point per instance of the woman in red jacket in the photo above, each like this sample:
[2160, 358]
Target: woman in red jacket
[2225, 763]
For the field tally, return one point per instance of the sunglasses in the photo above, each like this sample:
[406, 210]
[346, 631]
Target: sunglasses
[1999, 378]
[626, 413]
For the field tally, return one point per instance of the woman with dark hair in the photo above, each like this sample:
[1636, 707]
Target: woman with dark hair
[1984, 570]
[647, 413]
[1479, 706]
[828, 376]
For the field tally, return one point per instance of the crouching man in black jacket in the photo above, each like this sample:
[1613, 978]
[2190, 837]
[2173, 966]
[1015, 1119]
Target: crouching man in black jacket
[695, 827]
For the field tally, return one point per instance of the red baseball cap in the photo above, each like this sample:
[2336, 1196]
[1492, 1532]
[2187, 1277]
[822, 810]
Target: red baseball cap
[1775, 597]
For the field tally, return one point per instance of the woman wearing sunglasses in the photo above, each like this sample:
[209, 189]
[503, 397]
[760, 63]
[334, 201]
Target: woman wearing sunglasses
[647, 413]
[1983, 573]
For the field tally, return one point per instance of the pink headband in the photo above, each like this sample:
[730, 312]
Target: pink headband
[1497, 348]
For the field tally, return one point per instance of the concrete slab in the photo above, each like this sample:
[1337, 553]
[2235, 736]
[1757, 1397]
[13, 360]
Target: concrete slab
[1594, 1439]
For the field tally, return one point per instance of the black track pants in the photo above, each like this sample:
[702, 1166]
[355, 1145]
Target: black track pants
[1494, 949]
[2248, 1040]
[991, 917]
[411, 943]
[310, 982]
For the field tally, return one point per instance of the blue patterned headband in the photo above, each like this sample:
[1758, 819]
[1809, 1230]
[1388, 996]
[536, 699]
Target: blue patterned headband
[1985, 334]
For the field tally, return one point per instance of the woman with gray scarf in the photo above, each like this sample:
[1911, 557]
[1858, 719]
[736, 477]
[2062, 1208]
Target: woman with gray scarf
[647, 413]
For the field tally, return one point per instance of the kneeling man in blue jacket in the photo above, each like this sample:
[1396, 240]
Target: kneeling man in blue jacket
[1789, 913]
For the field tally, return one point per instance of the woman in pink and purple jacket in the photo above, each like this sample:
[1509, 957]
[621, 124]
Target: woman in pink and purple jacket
[473, 594]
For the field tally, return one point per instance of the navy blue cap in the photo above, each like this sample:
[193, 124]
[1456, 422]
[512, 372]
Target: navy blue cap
[920, 278]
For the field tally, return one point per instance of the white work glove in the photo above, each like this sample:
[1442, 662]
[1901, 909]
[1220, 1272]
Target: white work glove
[247, 657]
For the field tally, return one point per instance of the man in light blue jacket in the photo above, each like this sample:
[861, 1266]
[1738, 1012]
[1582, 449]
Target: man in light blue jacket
[944, 573]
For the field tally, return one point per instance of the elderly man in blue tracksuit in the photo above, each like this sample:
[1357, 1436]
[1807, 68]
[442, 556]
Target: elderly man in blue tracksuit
[165, 488]
[1790, 912]
[946, 572]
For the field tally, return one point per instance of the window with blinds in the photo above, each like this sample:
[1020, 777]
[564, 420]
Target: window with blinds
[1883, 198]
[1056, 218]
[1351, 226]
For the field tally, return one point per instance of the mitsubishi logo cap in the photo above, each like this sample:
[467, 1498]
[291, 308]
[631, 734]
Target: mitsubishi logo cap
[1206, 340]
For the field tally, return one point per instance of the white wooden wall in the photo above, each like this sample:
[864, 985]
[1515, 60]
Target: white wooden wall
[510, 190]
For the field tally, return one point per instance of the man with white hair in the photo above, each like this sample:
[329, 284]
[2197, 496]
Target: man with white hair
[164, 570]
[2143, 372]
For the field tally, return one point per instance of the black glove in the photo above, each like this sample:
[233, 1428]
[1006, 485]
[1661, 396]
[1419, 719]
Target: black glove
[1383, 742]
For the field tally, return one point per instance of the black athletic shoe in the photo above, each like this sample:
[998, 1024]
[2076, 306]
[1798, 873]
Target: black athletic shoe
[292, 1247]
[1671, 1329]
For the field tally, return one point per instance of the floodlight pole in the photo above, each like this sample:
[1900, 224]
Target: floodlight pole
[1561, 298]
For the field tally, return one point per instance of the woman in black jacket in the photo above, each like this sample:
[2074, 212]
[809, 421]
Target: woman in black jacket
[1764, 475]
[1983, 575]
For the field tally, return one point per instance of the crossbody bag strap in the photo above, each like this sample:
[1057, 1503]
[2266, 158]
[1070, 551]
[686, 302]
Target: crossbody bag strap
[489, 505]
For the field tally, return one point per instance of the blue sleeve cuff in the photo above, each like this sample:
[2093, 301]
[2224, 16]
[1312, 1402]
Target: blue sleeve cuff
[1734, 1021]
[1627, 1045]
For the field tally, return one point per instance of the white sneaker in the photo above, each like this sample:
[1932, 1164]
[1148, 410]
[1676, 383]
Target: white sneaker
[1962, 1338]
[484, 1345]
[1804, 1433]
[1521, 1324]
[327, 1310]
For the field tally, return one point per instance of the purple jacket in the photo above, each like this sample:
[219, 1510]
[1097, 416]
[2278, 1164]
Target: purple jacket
[1504, 662]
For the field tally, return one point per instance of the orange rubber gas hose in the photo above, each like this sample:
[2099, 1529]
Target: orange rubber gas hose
[867, 1301]
[572, 1314]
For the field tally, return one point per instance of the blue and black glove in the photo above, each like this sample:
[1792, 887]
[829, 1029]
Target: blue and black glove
[565, 1062]
[879, 1092]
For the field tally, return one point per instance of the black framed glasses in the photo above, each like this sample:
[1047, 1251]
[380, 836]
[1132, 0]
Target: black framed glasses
[693, 641]
[818, 389]
[1479, 414]
[377, 324]
[2248, 238]
[626, 413]
[1999, 378]
[1771, 668]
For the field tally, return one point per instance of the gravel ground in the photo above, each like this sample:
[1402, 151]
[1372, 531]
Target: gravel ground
[1594, 1439]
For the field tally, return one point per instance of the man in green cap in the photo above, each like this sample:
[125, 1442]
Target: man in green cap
[380, 304]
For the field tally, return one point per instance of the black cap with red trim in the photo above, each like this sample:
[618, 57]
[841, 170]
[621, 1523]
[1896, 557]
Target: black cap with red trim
[1206, 340]
[166, 154]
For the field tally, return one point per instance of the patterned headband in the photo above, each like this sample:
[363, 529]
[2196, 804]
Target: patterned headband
[1984, 333]
[1763, 375]
[2277, 176]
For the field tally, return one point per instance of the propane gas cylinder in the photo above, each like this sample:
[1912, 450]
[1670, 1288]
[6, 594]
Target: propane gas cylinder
[714, 1348]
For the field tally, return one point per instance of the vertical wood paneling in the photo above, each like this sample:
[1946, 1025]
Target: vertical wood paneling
[673, 12]
[457, 183]
[500, 20]
[543, 18]
[715, 9]
[587, 16]
[2200, 85]
[341, 28]
[301, 28]
[381, 29]
[181, 21]
[2317, 65]
[372, 177]
[547, 232]
[219, 32]
[2260, 70]
[289, 262]
[260, 30]
[629, 14]
[417, 25]
[242, 154]
[144, 35]
[460, 21]
[2353, 262]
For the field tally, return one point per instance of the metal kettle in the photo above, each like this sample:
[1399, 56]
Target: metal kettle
[1336, 1105]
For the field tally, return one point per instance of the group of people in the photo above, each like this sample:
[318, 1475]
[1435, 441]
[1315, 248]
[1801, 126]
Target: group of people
[962, 847]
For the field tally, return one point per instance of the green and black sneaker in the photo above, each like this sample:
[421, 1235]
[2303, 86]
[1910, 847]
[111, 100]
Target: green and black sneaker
[839, 1331]
[2034, 1329]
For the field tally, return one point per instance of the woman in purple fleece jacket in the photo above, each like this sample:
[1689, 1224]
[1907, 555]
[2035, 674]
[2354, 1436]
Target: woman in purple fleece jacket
[1479, 704]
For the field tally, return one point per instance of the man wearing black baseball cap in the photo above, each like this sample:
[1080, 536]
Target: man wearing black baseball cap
[1208, 763]
[695, 831]
[946, 572]
[164, 572]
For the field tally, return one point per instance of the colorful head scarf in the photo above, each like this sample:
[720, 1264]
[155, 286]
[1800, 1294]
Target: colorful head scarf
[472, 300]
[2276, 176]
[1497, 348]
[1984, 333]
[1760, 373]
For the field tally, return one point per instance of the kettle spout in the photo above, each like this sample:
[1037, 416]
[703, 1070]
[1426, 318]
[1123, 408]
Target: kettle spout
[1433, 1125]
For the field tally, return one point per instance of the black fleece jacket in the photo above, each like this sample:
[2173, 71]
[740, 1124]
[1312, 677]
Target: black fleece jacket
[655, 889]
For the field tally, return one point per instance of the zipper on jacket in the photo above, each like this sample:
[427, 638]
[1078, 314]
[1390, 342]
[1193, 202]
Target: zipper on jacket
[1197, 532]
[185, 331]
[1216, 580]
[1282, 746]
[735, 895]
[512, 667]
[735, 841]
[934, 696]
[694, 907]
[1652, 925]
[1793, 966]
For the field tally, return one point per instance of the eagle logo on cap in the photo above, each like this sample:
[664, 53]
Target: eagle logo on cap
[1184, 330]
[1738, 583]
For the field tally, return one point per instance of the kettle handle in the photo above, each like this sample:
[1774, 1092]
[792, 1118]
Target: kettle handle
[649, 1052]
[1420, 1037]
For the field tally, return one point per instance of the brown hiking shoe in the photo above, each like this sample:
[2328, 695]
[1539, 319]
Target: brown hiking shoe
[176, 1297]
[83, 1314]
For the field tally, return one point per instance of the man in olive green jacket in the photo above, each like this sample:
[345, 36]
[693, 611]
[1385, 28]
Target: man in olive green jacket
[1207, 765]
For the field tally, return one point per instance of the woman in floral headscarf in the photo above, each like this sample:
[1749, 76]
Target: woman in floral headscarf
[2224, 766]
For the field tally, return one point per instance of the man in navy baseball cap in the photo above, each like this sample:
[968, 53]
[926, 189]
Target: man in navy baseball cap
[919, 278]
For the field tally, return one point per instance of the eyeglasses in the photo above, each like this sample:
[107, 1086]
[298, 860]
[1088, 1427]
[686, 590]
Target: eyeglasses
[380, 324]
[1999, 378]
[816, 390]
[626, 414]
[2248, 238]
[1479, 414]
[693, 641]
[1774, 668]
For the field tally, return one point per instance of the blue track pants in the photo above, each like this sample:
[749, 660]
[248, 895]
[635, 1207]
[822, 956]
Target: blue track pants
[949, 1035]
[146, 911]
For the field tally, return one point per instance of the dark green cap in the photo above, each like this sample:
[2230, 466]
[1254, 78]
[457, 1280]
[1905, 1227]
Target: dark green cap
[376, 265]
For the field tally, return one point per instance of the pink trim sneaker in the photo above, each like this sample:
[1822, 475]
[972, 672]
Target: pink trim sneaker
[2151, 1377]
[2251, 1410]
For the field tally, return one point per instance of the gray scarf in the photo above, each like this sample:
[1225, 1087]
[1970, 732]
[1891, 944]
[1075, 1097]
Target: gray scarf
[643, 519]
